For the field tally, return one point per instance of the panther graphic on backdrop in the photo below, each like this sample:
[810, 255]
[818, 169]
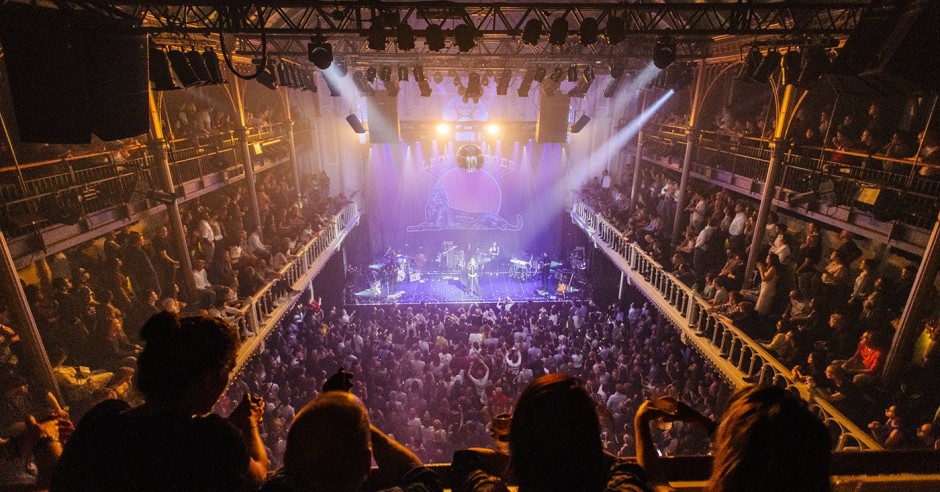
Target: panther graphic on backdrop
[439, 215]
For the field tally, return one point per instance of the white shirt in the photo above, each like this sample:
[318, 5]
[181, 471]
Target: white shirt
[737, 224]
[702, 240]
[205, 231]
[202, 279]
[254, 242]
[605, 183]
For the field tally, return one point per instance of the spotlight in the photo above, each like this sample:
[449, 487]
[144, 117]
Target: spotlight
[405, 37]
[768, 66]
[492, 129]
[580, 124]
[212, 65]
[791, 67]
[362, 84]
[474, 88]
[371, 72]
[355, 124]
[532, 32]
[539, 75]
[419, 73]
[376, 34]
[664, 52]
[486, 80]
[160, 77]
[612, 87]
[751, 62]
[434, 37]
[588, 74]
[526, 83]
[267, 77]
[438, 78]
[199, 67]
[617, 70]
[588, 31]
[463, 36]
[402, 73]
[385, 73]
[184, 72]
[319, 52]
[616, 30]
[443, 129]
[558, 33]
[572, 73]
[558, 74]
[424, 87]
[502, 83]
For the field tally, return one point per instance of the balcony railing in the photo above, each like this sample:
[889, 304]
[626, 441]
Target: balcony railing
[804, 168]
[263, 310]
[736, 356]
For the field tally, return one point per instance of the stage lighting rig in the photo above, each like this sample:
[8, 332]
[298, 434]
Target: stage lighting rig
[572, 73]
[588, 31]
[616, 30]
[526, 83]
[320, 52]
[474, 88]
[532, 32]
[664, 52]
[558, 74]
[376, 34]
[502, 83]
[463, 37]
[434, 37]
[539, 74]
[371, 73]
[385, 73]
[405, 37]
[558, 33]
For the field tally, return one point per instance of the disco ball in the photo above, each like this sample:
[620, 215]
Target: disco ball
[470, 158]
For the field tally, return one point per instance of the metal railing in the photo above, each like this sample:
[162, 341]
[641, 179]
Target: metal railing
[264, 309]
[735, 355]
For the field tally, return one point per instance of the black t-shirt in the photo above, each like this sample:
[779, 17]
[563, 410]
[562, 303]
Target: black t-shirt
[112, 450]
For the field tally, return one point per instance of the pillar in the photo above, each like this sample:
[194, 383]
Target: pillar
[285, 95]
[242, 132]
[691, 137]
[165, 176]
[635, 186]
[777, 147]
[919, 304]
[34, 360]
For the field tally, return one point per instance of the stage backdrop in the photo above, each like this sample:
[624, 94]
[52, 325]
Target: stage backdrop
[472, 194]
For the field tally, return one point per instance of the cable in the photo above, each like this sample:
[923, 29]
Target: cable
[228, 58]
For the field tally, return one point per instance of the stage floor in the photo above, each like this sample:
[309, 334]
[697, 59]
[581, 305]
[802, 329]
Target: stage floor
[442, 288]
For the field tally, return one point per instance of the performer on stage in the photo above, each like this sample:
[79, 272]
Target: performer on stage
[494, 251]
[545, 269]
[473, 279]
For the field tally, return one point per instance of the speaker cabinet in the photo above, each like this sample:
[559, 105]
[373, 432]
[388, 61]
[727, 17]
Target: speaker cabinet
[552, 123]
[383, 118]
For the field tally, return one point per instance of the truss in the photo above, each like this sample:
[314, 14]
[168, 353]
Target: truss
[346, 17]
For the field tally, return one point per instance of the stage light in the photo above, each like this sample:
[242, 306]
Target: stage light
[355, 124]
[474, 88]
[664, 52]
[320, 52]
[492, 129]
[791, 66]
[424, 87]
[419, 73]
[443, 129]
[558, 74]
[580, 124]
[558, 32]
[405, 37]
[434, 37]
[212, 65]
[815, 62]
[362, 84]
[616, 30]
[402, 73]
[184, 72]
[768, 66]
[502, 83]
[572, 73]
[371, 73]
[539, 75]
[160, 77]
[267, 77]
[376, 34]
[526, 83]
[588, 31]
[438, 78]
[749, 66]
[532, 32]
[385, 73]
[612, 87]
[617, 70]
[463, 37]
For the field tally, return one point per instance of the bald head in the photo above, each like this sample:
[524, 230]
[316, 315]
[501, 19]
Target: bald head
[329, 443]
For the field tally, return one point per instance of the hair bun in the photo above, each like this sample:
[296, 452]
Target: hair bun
[160, 326]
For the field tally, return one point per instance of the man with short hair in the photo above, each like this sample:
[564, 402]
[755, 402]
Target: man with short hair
[331, 445]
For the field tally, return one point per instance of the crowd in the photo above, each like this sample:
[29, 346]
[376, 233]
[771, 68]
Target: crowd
[101, 292]
[825, 312]
[436, 377]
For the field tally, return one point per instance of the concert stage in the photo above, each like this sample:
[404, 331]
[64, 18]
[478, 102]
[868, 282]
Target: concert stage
[444, 288]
